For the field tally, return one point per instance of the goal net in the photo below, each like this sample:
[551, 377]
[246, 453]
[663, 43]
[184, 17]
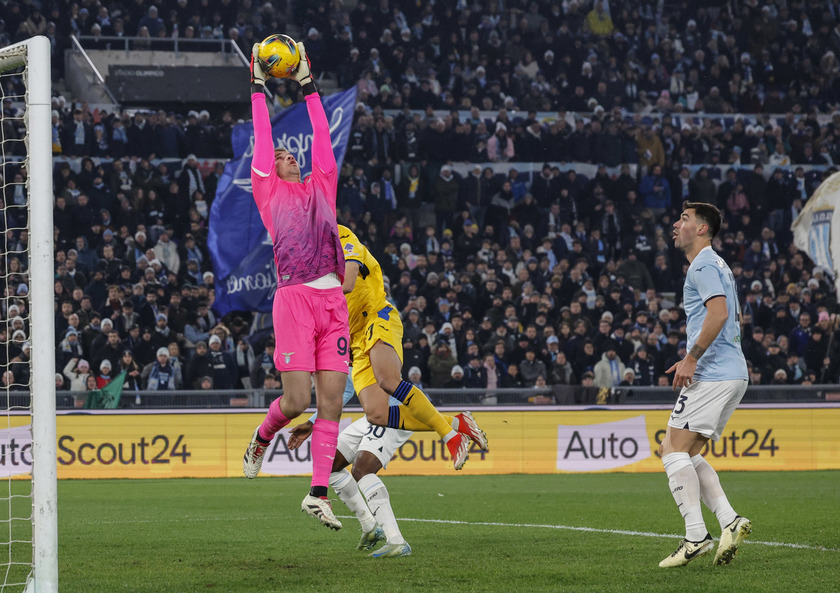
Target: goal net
[28, 532]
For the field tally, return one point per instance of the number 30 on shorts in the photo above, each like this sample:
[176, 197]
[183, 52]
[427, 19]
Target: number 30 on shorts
[378, 431]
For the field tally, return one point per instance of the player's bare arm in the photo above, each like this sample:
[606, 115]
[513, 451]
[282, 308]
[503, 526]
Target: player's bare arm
[351, 272]
[716, 315]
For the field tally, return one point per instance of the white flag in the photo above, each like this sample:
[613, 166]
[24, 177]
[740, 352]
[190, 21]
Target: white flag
[816, 230]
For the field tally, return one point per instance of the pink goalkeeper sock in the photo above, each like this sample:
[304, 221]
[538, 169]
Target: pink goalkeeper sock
[324, 439]
[274, 421]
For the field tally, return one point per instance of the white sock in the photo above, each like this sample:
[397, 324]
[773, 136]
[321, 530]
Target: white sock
[685, 487]
[348, 491]
[711, 492]
[379, 502]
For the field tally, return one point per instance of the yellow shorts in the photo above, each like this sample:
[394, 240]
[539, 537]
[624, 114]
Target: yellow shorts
[384, 325]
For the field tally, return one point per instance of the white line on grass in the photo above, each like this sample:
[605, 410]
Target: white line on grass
[596, 530]
[481, 523]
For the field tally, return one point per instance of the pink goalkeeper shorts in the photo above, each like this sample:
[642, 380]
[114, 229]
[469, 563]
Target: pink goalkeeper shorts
[311, 329]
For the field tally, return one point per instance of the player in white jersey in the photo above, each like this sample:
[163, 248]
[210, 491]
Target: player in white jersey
[712, 379]
[369, 448]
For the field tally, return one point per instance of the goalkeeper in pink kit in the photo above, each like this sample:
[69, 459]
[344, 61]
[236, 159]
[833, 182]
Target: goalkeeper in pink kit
[310, 312]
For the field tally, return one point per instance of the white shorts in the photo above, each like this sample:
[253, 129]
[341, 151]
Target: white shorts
[363, 436]
[705, 407]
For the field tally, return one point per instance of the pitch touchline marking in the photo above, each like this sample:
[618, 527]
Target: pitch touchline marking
[484, 523]
[596, 530]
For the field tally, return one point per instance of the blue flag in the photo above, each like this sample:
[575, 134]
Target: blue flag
[241, 250]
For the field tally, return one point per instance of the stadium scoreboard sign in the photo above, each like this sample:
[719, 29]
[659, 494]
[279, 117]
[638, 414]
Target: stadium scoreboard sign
[176, 84]
[199, 444]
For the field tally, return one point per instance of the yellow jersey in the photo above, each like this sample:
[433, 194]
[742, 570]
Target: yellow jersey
[368, 296]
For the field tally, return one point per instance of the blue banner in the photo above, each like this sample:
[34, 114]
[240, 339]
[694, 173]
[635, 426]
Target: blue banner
[241, 250]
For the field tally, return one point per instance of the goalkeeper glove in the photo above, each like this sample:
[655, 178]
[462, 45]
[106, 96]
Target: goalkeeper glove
[257, 75]
[302, 74]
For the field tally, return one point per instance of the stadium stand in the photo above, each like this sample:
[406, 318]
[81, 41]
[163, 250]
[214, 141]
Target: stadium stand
[515, 166]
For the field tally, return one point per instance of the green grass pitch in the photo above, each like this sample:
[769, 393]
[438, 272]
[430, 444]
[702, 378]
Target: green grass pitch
[470, 534]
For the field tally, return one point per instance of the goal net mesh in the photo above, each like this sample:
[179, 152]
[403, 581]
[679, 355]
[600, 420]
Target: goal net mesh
[16, 503]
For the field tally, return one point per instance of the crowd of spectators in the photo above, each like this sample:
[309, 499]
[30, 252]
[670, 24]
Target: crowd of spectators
[139, 133]
[562, 291]
[504, 278]
[737, 57]
[639, 76]
[557, 306]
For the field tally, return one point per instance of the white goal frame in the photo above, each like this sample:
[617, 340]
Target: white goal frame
[36, 57]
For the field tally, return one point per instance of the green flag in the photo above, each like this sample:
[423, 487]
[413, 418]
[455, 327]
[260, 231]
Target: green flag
[108, 397]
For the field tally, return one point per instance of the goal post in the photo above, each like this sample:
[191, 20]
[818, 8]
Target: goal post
[44, 480]
[34, 56]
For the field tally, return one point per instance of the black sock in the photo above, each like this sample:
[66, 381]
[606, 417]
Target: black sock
[318, 491]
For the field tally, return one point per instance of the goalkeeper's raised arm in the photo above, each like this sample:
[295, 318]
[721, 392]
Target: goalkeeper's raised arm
[262, 162]
[324, 168]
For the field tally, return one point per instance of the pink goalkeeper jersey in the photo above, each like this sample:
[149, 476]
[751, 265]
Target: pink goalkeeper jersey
[299, 217]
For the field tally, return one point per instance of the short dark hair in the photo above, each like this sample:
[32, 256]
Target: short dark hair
[708, 213]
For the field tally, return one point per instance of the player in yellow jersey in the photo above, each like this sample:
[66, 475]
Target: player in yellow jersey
[376, 345]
